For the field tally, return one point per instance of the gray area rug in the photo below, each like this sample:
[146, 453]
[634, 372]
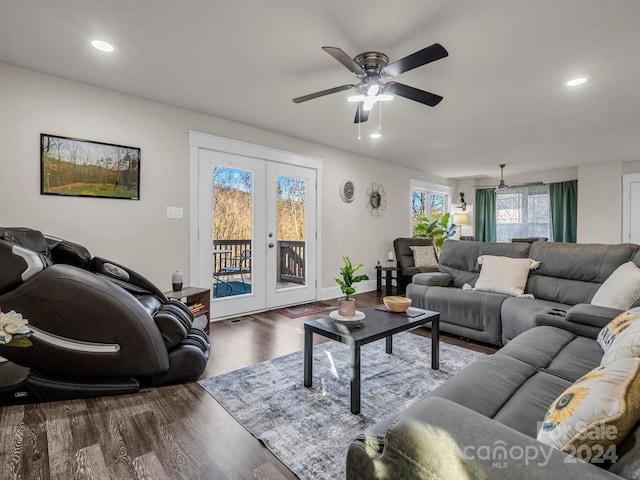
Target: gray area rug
[309, 429]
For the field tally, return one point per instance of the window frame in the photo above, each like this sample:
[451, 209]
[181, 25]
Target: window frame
[429, 189]
[523, 194]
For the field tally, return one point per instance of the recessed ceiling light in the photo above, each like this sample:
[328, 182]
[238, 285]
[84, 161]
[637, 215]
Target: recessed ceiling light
[575, 81]
[102, 45]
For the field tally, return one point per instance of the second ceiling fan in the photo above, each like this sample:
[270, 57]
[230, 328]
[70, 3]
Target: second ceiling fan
[370, 67]
[502, 184]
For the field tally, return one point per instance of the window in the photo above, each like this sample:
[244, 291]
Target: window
[523, 212]
[428, 200]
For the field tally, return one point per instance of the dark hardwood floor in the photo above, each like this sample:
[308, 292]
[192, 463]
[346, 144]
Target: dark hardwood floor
[173, 432]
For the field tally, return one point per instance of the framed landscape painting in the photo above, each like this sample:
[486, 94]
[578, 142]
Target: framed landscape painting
[83, 168]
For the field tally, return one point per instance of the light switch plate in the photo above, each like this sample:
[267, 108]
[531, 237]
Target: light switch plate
[174, 212]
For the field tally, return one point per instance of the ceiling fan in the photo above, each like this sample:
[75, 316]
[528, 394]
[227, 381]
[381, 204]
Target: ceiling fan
[502, 184]
[370, 67]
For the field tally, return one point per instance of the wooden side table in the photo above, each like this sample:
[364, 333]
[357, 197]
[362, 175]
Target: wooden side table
[191, 296]
[389, 277]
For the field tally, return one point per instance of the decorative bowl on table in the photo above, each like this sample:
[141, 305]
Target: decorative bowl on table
[396, 303]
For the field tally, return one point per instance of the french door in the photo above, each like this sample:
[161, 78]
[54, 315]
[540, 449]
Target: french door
[256, 232]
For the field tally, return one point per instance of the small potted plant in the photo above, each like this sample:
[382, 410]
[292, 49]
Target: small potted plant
[347, 305]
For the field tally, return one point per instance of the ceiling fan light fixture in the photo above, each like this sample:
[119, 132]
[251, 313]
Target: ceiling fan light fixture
[369, 102]
[373, 90]
[356, 98]
[384, 97]
[375, 135]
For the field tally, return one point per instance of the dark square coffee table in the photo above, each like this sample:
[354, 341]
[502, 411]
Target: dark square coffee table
[377, 324]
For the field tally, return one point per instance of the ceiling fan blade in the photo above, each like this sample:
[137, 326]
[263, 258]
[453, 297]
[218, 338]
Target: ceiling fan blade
[412, 93]
[322, 93]
[362, 115]
[422, 57]
[345, 60]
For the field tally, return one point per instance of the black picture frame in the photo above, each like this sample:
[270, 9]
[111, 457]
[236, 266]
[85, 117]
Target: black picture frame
[86, 168]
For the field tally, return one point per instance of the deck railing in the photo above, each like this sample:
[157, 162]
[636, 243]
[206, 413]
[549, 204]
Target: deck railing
[291, 260]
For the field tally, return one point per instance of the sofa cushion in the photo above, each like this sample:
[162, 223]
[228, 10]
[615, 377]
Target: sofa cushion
[503, 274]
[474, 310]
[612, 330]
[504, 375]
[621, 290]
[598, 410]
[518, 396]
[556, 351]
[518, 315]
[460, 259]
[572, 273]
[524, 410]
[424, 256]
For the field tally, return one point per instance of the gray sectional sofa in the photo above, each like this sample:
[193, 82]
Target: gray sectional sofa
[567, 279]
[482, 423]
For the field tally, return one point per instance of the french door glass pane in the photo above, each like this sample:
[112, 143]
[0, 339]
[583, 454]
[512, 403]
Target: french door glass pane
[291, 204]
[232, 231]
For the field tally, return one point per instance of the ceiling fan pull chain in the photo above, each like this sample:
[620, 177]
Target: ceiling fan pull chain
[359, 123]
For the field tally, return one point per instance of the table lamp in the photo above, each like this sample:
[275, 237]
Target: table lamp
[460, 219]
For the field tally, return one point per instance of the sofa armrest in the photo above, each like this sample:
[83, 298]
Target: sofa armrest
[583, 319]
[442, 439]
[593, 315]
[431, 279]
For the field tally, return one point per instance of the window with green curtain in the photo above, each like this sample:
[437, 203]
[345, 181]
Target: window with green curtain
[485, 214]
[563, 197]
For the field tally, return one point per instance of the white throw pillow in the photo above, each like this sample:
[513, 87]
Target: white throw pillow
[621, 290]
[424, 256]
[504, 274]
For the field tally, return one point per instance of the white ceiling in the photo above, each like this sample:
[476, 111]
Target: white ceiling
[244, 60]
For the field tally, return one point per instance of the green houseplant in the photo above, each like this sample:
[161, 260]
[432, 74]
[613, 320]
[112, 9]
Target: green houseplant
[347, 305]
[438, 229]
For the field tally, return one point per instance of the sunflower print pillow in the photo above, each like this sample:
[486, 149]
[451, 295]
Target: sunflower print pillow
[596, 412]
[612, 330]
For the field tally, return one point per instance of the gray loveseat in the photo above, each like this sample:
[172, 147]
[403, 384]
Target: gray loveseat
[483, 422]
[567, 279]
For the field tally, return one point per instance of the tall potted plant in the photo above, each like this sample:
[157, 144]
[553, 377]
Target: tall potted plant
[438, 230]
[347, 305]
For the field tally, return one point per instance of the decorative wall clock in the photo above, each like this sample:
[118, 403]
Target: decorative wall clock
[347, 191]
[376, 199]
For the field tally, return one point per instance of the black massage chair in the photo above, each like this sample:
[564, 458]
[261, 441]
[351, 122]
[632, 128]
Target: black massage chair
[98, 327]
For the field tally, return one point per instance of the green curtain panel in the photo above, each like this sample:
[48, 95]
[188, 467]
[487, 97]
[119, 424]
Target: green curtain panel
[485, 213]
[563, 197]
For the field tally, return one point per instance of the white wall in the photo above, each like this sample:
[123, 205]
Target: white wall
[600, 203]
[137, 233]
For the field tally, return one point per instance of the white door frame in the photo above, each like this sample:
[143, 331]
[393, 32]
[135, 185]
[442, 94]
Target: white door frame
[199, 141]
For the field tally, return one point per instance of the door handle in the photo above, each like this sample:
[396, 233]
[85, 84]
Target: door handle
[271, 245]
